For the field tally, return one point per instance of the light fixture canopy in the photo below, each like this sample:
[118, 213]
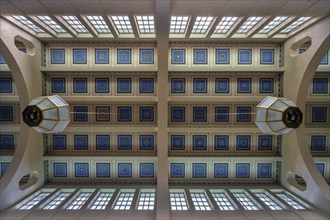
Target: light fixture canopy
[47, 114]
[277, 115]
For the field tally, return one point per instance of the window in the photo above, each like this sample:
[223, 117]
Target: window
[99, 24]
[268, 201]
[178, 201]
[75, 24]
[178, 24]
[28, 24]
[51, 23]
[295, 25]
[79, 201]
[248, 24]
[122, 24]
[146, 24]
[124, 201]
[223, 201]
[102, 201]
[200, 201]
[55, 202]
[225, 24]
[273, 24]
[35, 201]
[290, 200]
[146, 201]
[245, 201]
[201, 25]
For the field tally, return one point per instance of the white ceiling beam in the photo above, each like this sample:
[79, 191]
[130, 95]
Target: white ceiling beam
[66, 26]
[214, 26]
[281, 27]
[162, 31]
[87, 25]
[236, 26]
[263, 22]
[190, 26]
[134, 26]
[110, 25]
[45, 27]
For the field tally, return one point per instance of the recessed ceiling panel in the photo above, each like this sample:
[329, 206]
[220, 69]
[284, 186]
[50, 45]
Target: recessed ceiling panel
[321, 7]
[116, 7]
[207, 7]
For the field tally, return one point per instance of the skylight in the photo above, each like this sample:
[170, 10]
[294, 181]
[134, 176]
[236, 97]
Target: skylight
[146, 24]
[75, 23]
[28, 24]
[268, 201]
[290, 200]
[200, 201]
[99, 24]
[178, 201]
[102, 201]
[122, 24]
[178, 24]
[79, 201]
[295, 25]
[51, 23]
[35, 201]
[146, 201]
[248, 24]
[54, 203]
[273, 24]
[223, 202]
[201, 25]
[245, 201]
[225, 24]
[124, 201]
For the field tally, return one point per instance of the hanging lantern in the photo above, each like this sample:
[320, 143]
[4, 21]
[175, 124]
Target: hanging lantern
[277, 115]
[47, 114]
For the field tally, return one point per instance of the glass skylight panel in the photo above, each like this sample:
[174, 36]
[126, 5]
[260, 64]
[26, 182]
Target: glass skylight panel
[225, 24]
[248, 24]
[79, 201]
[295, 25]
[75, 23]
[51, 23]
[146, 24]
[201, 25]
[102, 201]
[245, 201]
[54, 203]
[290, 200]
[178, 24]
[122, 24]
[200, 201]
[178, 201]
[99, 24]
[124, 201]
[223, 202]
[271, 25]
[28, 23]
[268, 201]
[146, 201]
[35, 201]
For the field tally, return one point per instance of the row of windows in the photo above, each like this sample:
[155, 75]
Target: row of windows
[144, 199]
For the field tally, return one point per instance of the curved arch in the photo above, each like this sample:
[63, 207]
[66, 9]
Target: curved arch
[299, 73]
[26, 73]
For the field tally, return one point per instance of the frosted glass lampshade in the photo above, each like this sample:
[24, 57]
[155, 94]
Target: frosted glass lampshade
[277, 115]
[47, 114]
